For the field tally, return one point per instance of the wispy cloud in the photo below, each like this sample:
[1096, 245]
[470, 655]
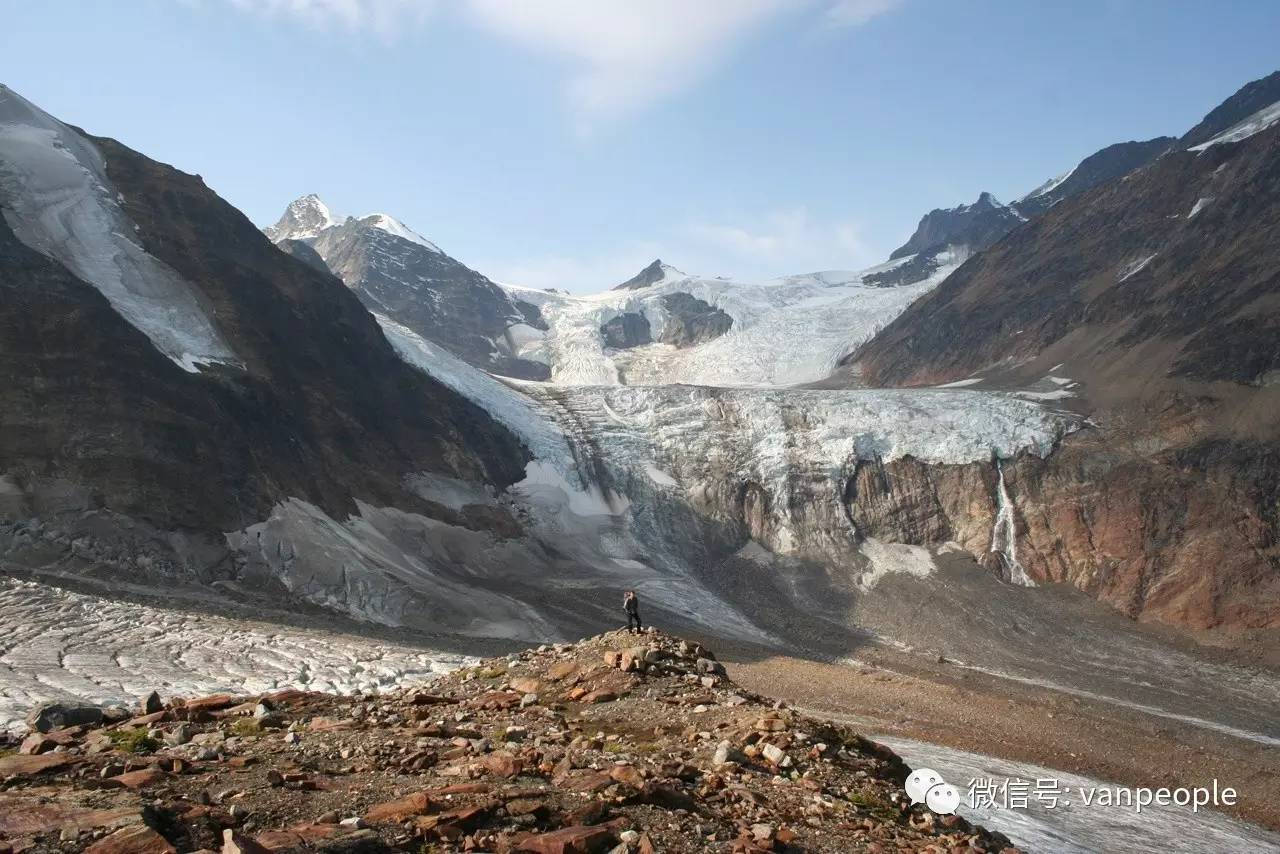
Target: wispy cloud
[855, 13]
[788, 240]
[621, 55]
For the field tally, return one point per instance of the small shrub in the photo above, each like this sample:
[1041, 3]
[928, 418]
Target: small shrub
[615, 747]
[136, 740]
[246, 727]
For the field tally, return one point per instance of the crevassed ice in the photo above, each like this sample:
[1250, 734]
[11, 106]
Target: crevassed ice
[59, 202]
[785, 332]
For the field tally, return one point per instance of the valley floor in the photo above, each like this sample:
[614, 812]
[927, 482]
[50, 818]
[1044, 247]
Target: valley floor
[63, 644]
[901, 696]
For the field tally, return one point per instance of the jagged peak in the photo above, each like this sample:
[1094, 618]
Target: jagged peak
[303, 219]
[655, 272]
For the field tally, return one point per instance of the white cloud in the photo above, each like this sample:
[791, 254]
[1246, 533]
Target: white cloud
[626, 54]
[855, 13]
[621, 55]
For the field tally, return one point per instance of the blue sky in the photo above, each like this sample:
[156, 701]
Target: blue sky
[566, 143]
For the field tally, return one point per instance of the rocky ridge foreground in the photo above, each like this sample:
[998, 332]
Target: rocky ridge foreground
[615, 744]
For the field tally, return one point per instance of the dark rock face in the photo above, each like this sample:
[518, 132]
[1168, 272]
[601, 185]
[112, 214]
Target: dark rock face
[976, 226]
[1121, 267]
[646, 277]
[98, 421]
[626, 331]
[917, 268]
[1251, 98]
[1098, 168]
[415, 284]
[305, 254]
[692, 321]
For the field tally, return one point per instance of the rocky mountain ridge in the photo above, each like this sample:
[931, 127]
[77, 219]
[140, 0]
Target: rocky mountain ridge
[109, 439]
[400, 274]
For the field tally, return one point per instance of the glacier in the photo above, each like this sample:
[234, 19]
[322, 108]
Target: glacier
[58, 201]
[786, 331]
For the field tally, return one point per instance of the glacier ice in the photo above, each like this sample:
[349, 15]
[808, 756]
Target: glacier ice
[58, 201]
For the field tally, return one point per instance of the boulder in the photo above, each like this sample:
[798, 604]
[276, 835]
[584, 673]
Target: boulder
[53, 716]
[502, 764]
[136, 839]
[569, 840]
[21, 765]
[399, 810]
[150, 704]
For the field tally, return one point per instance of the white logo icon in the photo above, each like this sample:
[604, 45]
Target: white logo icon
[943, 799]
[926, 786]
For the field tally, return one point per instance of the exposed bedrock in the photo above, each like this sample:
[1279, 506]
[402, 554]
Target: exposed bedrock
[626, 331]
[1188, 538]
[692, 321]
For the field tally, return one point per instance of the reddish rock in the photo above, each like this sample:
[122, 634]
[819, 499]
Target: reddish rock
[576, 693]
[502, 764]
[628, 775]
[561, 670]
[328, 725]
[136, 779]
[526, 685]
[209, 703]
[588, 781]
[23, 816]
[424, 699]
[600, 696]
[497, 700]
[21, 765]
[399, 810]
[569, 840]
[35, 744]
[612, 658]
[148, 719]
[138, 839]
[592, 812]
[459, 789]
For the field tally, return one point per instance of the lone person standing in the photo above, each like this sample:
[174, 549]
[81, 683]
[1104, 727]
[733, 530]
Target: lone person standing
[631, 605]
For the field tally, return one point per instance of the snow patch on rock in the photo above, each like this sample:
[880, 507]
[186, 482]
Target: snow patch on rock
[58, 201]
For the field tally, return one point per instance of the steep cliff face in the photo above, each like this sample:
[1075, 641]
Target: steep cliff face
[102, 424]
[1180, 537]
[1155, 297]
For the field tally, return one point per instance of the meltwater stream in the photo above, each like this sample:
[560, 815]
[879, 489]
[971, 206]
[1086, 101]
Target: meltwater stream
[1070, 827]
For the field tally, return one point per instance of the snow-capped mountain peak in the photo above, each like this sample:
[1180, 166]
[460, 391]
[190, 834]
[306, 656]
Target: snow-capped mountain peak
[304, 219]
[391, 225]
[651, 275]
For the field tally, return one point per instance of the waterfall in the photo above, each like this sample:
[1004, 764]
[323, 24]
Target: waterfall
[1004, 537]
